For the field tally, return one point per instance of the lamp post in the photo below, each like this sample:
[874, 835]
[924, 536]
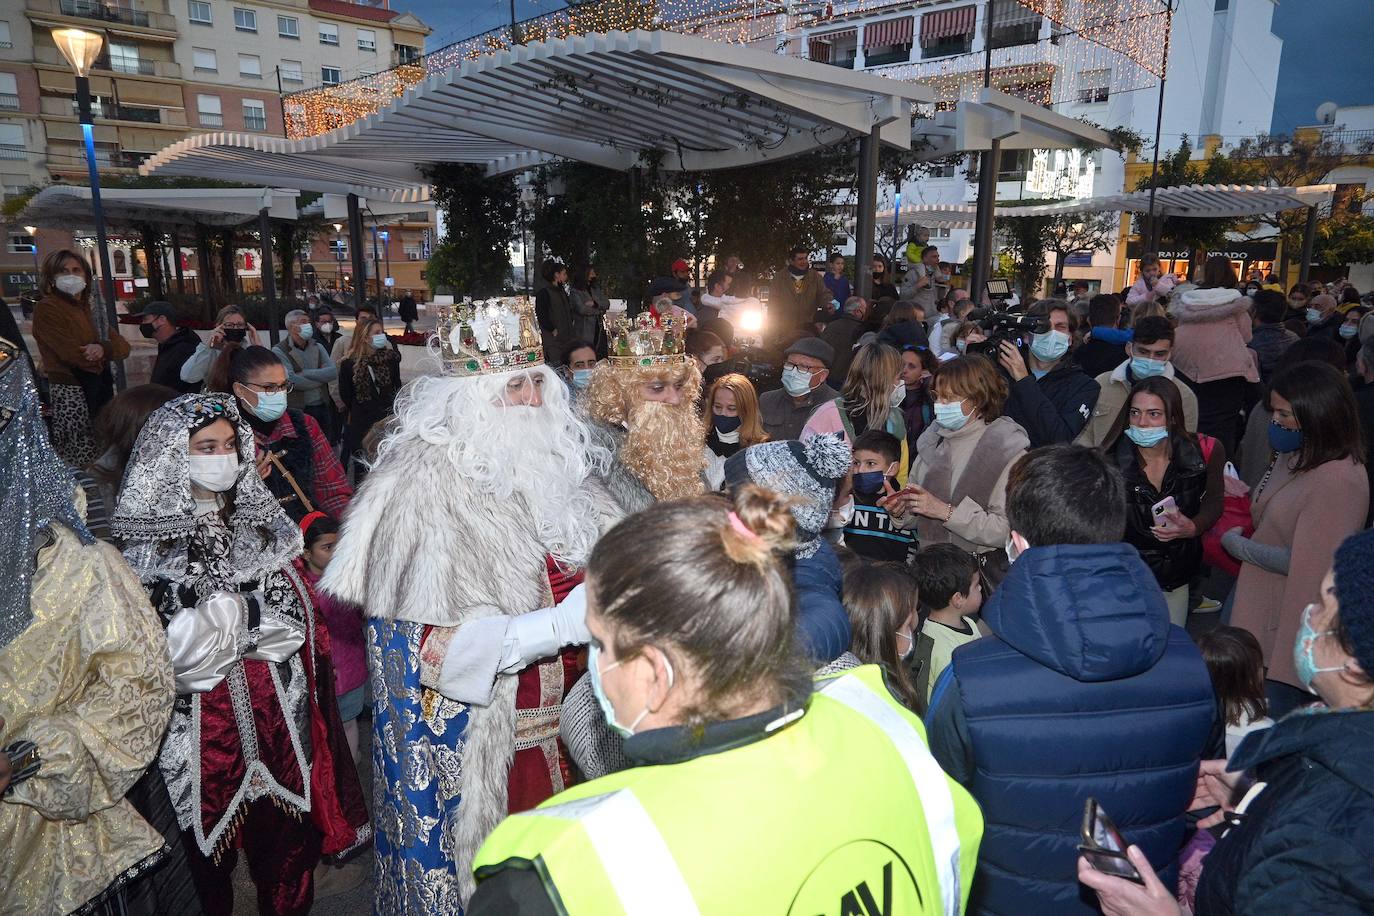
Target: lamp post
[385, 236]
[33, 249]
[81, 48]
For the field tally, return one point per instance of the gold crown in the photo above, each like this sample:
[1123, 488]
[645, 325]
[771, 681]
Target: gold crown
[643, 341]
[485, 337]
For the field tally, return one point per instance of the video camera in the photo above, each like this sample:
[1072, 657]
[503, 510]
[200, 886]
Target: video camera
[1000, 326]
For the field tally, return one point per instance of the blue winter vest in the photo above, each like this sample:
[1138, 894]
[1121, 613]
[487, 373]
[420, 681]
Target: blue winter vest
[1044, 742]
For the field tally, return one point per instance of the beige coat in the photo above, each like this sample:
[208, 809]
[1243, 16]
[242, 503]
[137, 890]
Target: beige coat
[1309, 514]
[90, 683]
[1116, 389]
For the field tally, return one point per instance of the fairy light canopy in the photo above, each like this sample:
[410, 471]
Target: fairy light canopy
[613, 100]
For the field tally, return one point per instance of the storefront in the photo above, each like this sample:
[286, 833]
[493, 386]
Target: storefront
[1246, 257]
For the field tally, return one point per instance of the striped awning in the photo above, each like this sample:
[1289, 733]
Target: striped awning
[818, 50]
[832, 37]
[942, 24]
[889, 32]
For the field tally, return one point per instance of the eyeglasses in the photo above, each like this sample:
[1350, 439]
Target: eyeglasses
[269, 389]
[809, 371]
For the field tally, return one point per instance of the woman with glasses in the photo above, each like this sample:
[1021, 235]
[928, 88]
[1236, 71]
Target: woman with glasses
[295, 459]
[210, 362]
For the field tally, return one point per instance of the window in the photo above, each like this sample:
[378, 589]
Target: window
[205, 60]
[329, 76]
[245, 20]
[254, 115]
[290, 71]
[329, 34]
[367, 40]
[1094, 86]
[9, 91]
[12, 141]
[407, 54]
[412, 252]
[211, 114]
[1221, 6]
[250, 66]
[123, 57]
[289, 27]
[5, 40]
[121, 261]
[943, 170]
[939, 232]
[339, 248]
[199, 12]
[21, 244]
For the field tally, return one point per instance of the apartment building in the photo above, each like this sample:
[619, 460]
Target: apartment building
[169, 69]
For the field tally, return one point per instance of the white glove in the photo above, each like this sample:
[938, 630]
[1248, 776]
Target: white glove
[542, 633]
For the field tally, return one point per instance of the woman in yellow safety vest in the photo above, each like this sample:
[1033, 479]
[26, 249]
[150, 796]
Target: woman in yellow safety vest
[753, 789]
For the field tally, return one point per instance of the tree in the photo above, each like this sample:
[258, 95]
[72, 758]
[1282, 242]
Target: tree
[1070, 233]
[1346, 236]
[1023, 243]
[480, 214]
[1178, 168]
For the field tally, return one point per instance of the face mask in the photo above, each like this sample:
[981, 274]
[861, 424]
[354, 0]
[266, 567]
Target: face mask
[235, 335]
[726, 425]
[868, 481]
[147, 330]
[795, 381]
[1284, 440]
[1012, 553]
[1144, 367]
[1348, 331]
[581, 378]
[1304, 662]
[1147, 436]
[1049, 346]
[910, 644]
[841, 516]
[898, 394]
[594, 666]
[961, 345]
[1314, 316]
[326, 328]
[70, 284]
[271, 405]
[216, 473]
[306, 332]
[950, 416]
[379, 342]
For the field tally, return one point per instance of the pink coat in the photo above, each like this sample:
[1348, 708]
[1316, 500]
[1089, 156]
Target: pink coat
[345, 625]
[1213, 329]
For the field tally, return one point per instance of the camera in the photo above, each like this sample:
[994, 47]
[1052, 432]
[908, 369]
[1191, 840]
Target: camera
[1000, 326]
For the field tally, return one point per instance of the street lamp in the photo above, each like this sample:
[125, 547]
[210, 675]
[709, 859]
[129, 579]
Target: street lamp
[81, 48]
[386, 253]
[33, 249]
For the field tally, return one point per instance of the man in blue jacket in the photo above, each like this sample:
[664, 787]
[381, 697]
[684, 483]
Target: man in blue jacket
[1049, 395]
[1084, 690]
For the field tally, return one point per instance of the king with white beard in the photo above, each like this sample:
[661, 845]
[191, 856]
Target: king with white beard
[461, 546]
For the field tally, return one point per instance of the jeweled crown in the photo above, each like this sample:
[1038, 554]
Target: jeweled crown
[488, 336]
[644, 341]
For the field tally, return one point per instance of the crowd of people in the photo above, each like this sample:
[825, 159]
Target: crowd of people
[1069, 610]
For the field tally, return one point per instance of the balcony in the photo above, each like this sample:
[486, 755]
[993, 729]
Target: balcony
[210, 119]
[13, 151]
[134, 66]
[106, 111]
[108, 12]
[9, 101]
[898, 55]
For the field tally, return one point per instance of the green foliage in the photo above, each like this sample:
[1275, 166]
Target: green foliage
[1345, 238]
[1178, 168]
[1023, 245]
[480, 213]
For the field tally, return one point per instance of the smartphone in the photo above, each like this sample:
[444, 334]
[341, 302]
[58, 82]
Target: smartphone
[1166, 504]
[1103, 846]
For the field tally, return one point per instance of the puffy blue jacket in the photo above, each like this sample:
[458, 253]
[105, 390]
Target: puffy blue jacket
[822, 622]
[1085, 691]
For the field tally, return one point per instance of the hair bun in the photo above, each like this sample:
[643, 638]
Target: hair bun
[829, 455]
[761, 525]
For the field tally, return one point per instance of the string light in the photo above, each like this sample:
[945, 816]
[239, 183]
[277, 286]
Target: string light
[1125, 38]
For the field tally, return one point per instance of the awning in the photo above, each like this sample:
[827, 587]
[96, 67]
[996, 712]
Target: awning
[1011, 13]
[69, 206]
[889, 32]
[818, 50]
[942, 24]
[833, 37]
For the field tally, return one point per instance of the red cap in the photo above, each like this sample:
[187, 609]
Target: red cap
[680, 264]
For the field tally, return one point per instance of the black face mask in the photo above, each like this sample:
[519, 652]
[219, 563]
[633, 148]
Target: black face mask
[235, 335]
[146, 330]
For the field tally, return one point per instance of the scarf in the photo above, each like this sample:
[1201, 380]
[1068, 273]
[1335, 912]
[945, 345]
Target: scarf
[36, 489]
[156, 520]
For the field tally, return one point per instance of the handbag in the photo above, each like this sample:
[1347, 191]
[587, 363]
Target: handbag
[205, 641]
[1235, 513]
[96, 387]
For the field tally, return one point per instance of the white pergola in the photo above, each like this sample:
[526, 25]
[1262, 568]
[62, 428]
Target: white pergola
[68, 206]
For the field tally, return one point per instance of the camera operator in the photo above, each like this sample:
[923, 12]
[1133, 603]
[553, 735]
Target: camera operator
[1051, 397]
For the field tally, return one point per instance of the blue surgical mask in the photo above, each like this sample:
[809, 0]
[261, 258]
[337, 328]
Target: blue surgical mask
[1282, 439]
[1144, 367]
[796, 382]
[1348, 331]
[1304, 662]
[950, 416]
[379, 342]
[1049, 346]
[306, 332]
[271, 405]
[725, 424]
[868, 481]
[961, 345]
[594, 667]
[1314, 316]
[581, 378]
[1147, 436]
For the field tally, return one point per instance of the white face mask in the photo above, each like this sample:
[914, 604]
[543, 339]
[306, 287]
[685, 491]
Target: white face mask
[326, 328]
[71, 284]
[897, 395]
[216, 473]
[841, 516]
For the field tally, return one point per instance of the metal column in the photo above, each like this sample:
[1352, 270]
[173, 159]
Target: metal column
[868, 212]
[269, 282]
[987, 181]
[102, 244]
[355, 251]
[1309, 240]
[176, 260]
